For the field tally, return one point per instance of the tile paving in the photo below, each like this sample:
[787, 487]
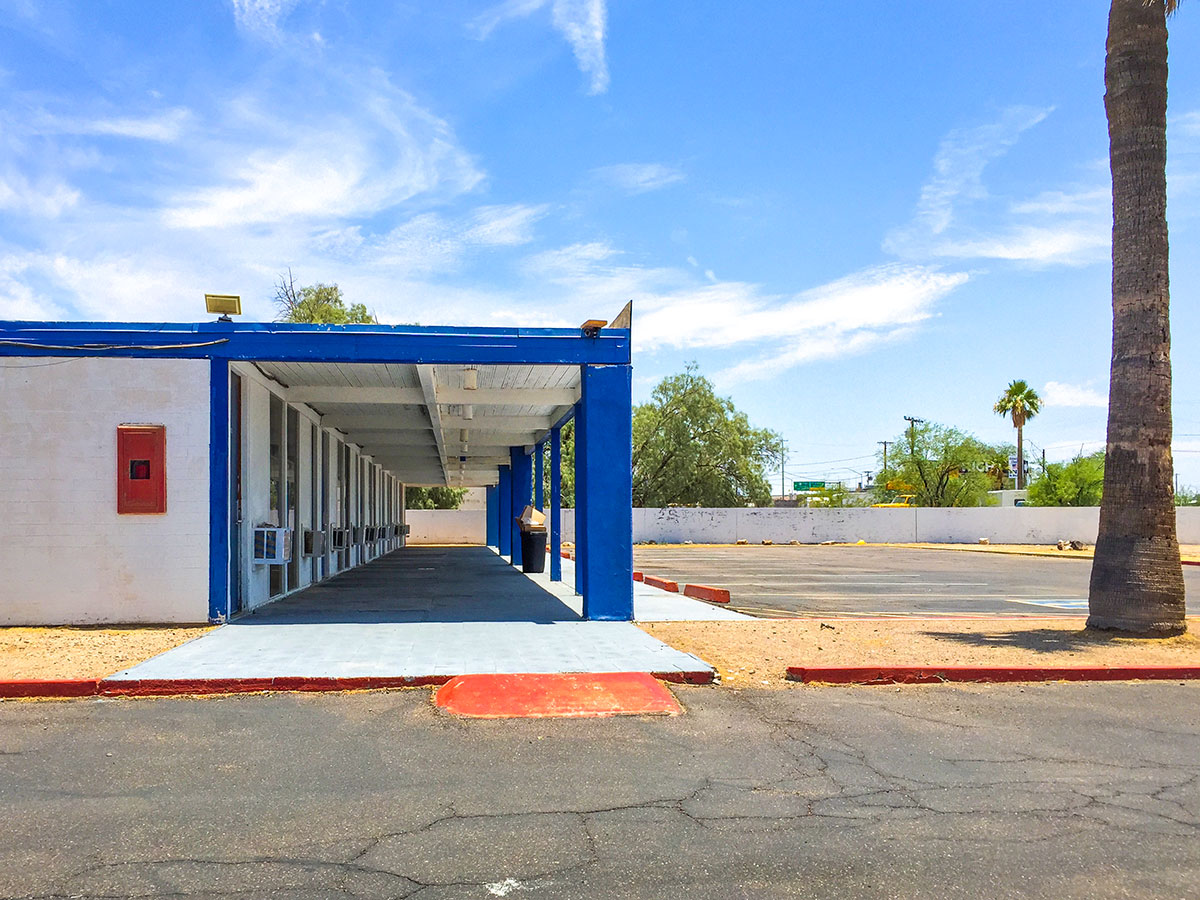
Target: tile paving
[425, 611]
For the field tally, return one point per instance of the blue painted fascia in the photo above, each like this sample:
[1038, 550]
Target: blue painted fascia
[316, 343]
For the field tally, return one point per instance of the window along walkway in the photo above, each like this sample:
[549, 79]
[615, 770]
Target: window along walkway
[423, 612]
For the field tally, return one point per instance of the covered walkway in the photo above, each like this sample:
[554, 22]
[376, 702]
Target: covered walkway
[422, 613]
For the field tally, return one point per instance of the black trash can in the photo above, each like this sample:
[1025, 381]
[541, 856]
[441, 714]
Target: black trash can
[533, 551]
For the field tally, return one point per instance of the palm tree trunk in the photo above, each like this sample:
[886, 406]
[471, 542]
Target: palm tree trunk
[1137, 581]
[1020, 458]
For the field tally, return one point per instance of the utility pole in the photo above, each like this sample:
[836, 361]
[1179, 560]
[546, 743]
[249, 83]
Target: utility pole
[913, 422]
[886, 444]
[782, 478]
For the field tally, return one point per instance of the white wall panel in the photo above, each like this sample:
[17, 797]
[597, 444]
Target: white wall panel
[66, 557]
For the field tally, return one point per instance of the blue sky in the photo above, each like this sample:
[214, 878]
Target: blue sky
[844, 213]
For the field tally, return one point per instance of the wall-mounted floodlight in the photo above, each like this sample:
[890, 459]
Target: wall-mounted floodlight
[471, 378]
[592, 327]
[225, 305]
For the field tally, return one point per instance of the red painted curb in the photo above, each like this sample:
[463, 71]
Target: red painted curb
[163, 687]
[557, 695]
[637, 576]
[662, 583]
[704, 592]
[50, 687]
[1190, 562]
[168, 687]
[984, 674]
[704, 676]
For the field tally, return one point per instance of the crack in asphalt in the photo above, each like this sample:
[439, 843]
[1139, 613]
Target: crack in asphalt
[801, 775]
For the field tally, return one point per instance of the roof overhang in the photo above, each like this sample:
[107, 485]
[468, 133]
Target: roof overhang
[400, 393]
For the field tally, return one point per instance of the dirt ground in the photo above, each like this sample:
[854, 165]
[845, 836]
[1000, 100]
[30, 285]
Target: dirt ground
[758, 653]
[83, 652]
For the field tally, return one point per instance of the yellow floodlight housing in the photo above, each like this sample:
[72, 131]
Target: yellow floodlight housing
[223, 304]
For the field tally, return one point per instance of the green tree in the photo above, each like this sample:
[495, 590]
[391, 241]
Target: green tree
[1077, 483]
[836, 496]
[940, 466]
[318, 304]
[1137, 579]
[1021, 403]
[433, 497]
[1187, 497]
[691, 447]
[567, 480]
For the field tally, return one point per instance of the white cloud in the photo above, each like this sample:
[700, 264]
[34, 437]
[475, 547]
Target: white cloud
[961, 158]
[44, 199]
[389, 151]
[673, 309]
[638, 178]
[163, 127]
[434, 243]
[1068, 244]
[261, 17]
[1086, 201]
[1057, 393]
[584, 23]
[958, 218]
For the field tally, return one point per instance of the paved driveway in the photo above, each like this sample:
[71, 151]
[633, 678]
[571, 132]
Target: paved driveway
[1045, 791]
[852, 580]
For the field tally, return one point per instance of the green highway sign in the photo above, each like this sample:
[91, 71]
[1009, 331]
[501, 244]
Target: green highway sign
[808, 485]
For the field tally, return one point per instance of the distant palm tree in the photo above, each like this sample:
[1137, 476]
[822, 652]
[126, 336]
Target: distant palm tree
[1137, 581]
[1022, 403]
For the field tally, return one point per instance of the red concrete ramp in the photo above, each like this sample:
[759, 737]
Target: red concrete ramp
[559, 695]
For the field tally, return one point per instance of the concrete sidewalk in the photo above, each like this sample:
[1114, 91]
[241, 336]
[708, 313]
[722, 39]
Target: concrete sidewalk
[429, 612]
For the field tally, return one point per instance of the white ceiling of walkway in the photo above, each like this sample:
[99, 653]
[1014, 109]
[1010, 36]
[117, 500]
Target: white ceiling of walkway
[425, 423]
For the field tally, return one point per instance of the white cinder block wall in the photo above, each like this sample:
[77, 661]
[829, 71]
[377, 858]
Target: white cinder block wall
[1007, 525]
[66, 557]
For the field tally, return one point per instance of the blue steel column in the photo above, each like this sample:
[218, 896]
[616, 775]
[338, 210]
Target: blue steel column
[556, 504]
[493, 516]
[539, 476]
[218, 491]
[606, 546]
[522, 472]
[504, 510]
[581, 494]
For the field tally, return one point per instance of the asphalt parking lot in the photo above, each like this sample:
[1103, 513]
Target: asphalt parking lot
[1040, 791]
[780, 581]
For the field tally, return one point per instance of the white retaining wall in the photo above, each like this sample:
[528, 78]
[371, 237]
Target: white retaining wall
[1000, 525]
[66, 557]
[447, 526]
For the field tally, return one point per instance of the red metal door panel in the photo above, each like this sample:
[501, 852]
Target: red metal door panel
[141, 469]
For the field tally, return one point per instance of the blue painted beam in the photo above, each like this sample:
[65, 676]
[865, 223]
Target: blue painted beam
[492, 494]
[315, 343]
[504, 509]
[581, 498]
[539, 476]
[522, 473]
[556, 505]
[218, 492]
[605, 548]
